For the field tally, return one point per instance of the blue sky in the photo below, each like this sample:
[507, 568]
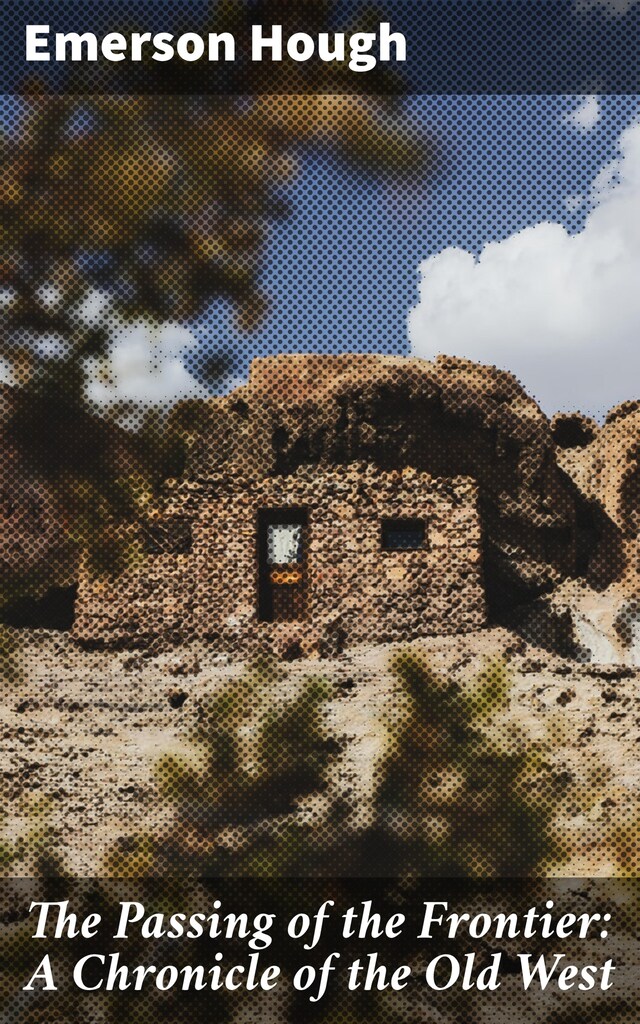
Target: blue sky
[343, 270]
[492, 258]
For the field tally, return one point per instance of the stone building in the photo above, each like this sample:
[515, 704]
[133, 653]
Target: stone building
[306, 563]
[337, 499]
[400, 497]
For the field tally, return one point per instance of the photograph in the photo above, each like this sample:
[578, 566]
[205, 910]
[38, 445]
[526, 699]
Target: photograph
[320, 512]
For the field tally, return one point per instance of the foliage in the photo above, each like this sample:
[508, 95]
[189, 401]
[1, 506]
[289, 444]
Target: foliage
[460, 791]
[118, 208]
[246, 804]
[256, 755]
[27, 850]
[463, 791]
[162, 203]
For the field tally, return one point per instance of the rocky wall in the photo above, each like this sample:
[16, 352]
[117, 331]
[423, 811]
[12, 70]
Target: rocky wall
[447, 418]
[356, 590]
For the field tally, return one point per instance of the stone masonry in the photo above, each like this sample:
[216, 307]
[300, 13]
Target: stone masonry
[355, 587]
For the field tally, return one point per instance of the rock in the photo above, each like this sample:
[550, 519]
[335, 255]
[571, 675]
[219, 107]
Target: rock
[596, 627]
[573, 430]
[27, 705]
[565, 698]
[334, 639]
[558, 499]
[450, 417]
[531, 667]
[619, 412]
[133, 664]
[345, 684]
[548, 626]
[187, 666]
[177, 699]
[607, 472]
[291, 650]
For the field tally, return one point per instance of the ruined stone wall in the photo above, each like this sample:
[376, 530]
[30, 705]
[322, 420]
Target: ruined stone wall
[357, 592]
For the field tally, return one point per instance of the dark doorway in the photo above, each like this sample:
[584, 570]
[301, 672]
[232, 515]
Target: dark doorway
[54, 610]
[282, 564]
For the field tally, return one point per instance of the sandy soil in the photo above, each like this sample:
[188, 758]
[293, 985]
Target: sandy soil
[83, 730]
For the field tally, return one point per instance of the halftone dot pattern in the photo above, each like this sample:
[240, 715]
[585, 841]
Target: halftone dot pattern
[248, 922]
[217, 665]
[492, 46]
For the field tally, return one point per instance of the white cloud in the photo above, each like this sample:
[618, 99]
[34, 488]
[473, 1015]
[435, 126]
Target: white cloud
[575, 202]
[560, 311]
[143, 367]
[611, 7]
[586, 116]
[94, 308]
[605, 181]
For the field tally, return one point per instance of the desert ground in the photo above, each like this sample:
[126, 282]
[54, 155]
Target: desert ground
[83, 730]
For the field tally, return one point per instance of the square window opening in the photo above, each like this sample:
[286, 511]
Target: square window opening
[403, 534]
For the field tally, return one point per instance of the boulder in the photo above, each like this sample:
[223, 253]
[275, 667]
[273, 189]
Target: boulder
[598, 617]
[578, 621]
[573, 430]
[607, 473]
